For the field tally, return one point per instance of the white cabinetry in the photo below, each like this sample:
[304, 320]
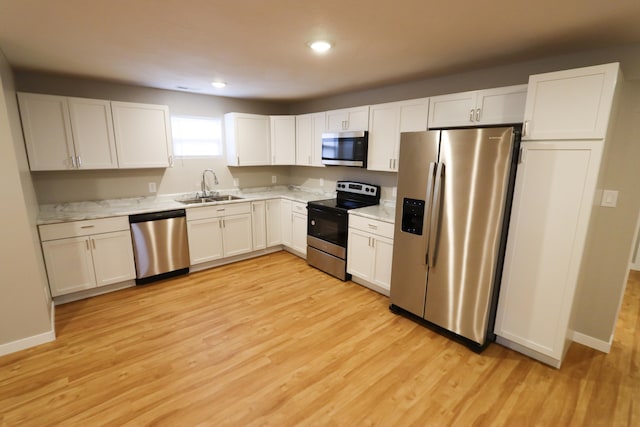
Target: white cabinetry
[67, 133]
[247, 139]
[553, 197]
[86, 254]
[143, 135]
[219, 231]
[294, 226]
[309, 129]
[553, 200]
[283, 140]
[274, 222]
[572, 104]
[369, 252]
[348, 119]
[386, 122]
[502, 105]
[259, 224]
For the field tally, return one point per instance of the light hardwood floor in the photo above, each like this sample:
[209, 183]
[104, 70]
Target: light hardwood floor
[271, 341]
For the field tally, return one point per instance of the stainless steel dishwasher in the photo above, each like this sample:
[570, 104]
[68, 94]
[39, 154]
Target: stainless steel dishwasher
[160, 245]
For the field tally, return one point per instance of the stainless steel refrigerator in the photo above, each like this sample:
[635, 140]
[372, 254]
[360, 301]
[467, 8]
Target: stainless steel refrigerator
[453, 204]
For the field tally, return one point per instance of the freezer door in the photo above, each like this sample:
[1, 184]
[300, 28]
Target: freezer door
[473, 185]
[418, 155]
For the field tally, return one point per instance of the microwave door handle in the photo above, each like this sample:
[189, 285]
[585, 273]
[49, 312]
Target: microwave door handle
[427, 208]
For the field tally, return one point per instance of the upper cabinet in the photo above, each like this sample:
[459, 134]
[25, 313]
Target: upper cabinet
[283, 140]
[77, 133]
[386, 122]
[348, 119]
[247, 139]
[570, 104]
[478, 108]
[143, 135]
[309, 129]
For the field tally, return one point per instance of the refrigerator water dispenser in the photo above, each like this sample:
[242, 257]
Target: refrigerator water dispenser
[412, 216]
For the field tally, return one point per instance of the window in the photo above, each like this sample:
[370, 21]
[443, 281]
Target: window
[196, 136]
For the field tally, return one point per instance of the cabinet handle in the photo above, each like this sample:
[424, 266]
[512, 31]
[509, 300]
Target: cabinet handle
[309, 160]
[171, 161]
[477, 114]
[79, 162]
[73, 162]
[219, 223]
[238, 160]
[86, 242]
[93, 243]
[373, 226]
[525, 128]
[87, 226]
[471, 115]
[395, 163]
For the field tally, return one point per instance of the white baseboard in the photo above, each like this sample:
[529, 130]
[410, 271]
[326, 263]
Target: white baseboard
[635, 266]
[24, 343]
[589, 341]
[372, 286]
[548, 360]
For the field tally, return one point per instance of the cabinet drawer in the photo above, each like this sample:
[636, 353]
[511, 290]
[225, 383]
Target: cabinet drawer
[83, 228]
[216, 211]
[299, 207]
[381, 228]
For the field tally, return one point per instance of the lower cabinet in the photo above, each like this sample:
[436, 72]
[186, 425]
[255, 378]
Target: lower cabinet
[259, 224]
[274, 222]
[219, 231]
[294, 226]
[82, 255]
[369, 252]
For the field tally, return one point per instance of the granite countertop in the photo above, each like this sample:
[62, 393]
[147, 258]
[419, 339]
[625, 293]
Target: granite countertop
[78, 211]
[385, 211]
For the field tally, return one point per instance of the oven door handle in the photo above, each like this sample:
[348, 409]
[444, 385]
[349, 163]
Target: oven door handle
[322, 212]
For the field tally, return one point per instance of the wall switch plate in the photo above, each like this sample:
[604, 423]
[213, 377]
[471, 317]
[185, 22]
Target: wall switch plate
[152, 188]
[609, 198]
[274, 179]
[236, 182]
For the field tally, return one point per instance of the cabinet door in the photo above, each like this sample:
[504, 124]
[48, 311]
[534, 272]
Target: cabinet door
[69, 265]
[143, 136]
[47, 131]
[113, 257]
[236, 234]
[92, 129]
[258, 222]
[501, 105]
[319, 127]
[553, 196]
[384, 136]
[359, 254]
[571, 104]
[348, 119]
[299, 233]
[456, 109]
[283, 140]
[304, 140]
[247, 139]
[286, 222]
[205, 240]
[383, 253]
[414, 114]
[274, 222]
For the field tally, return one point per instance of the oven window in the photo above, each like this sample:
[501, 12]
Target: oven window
[330, 226]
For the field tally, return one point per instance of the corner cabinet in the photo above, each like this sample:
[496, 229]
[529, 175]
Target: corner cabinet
[82, 255]
[386, 122]
[502, 105]
[247, 138]
[369, 252]
[572, 104]
[63, 133]
[143, 135]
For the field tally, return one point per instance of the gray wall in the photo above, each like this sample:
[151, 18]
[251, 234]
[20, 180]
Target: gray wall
[25, 309]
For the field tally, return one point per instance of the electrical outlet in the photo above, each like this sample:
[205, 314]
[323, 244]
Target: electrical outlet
[152, 188]
[609, 198]
[394, 191]
[274, 179]
[236, 182]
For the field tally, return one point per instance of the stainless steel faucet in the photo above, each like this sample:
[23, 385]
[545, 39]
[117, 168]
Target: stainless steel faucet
[206, 192]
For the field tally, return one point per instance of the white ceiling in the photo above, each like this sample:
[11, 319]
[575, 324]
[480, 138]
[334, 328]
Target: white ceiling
[259, 46]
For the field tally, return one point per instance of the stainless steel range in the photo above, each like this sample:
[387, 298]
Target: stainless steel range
[328, 223]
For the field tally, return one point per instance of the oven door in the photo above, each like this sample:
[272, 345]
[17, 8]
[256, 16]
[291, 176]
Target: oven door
[328, 224]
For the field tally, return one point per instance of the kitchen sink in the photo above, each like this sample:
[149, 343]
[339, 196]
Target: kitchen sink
[197, 200]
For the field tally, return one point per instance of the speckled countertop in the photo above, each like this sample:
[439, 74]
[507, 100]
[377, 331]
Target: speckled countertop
[77, 211]
[385, 211]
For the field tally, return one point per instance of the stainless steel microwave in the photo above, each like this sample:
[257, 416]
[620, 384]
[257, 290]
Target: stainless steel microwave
[345, 149]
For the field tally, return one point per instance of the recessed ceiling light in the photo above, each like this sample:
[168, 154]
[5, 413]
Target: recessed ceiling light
[320, 46]
[218, 85]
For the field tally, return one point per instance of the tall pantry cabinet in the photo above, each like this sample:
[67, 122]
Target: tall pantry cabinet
[566, 120]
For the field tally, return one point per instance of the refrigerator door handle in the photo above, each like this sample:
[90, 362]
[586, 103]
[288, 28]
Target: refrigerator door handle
[435, 215]
[427, 210]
